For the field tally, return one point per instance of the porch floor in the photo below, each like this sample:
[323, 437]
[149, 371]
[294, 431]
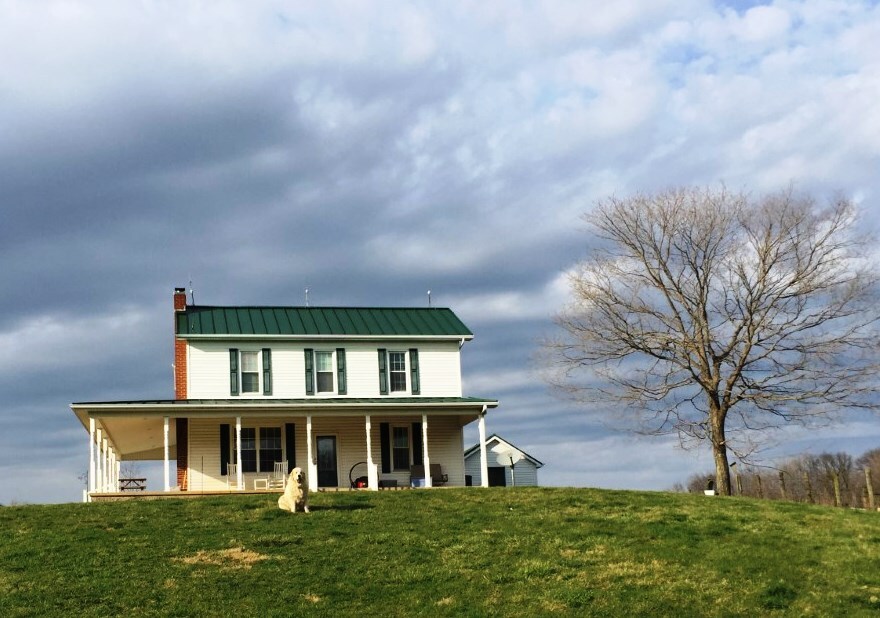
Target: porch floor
[162, 495]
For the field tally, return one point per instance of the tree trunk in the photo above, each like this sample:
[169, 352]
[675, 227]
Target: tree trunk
[719, 449]
[722, 469]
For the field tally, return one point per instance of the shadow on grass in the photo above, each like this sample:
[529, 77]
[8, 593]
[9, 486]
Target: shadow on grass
[341, 507]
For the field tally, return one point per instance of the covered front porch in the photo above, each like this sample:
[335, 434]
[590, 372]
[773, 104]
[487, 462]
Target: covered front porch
[234, 445]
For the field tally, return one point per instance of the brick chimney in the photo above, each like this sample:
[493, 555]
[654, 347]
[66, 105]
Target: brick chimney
[179, 299]
[181, 425]
[179, 347]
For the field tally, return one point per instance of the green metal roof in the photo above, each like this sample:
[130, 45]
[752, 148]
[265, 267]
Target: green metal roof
[320, 321]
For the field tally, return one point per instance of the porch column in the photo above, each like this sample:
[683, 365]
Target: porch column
[112, 485]
[91, 455]
[166, 422]
[107, 464]
[313, 467]
[425, 459]
[372, 471]
[99, 461]
[118, 468]
[239, 481]
[484, 462]
[104, 466]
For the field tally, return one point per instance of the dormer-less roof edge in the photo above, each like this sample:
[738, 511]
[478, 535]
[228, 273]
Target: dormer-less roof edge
[204, 321]
[497, 438]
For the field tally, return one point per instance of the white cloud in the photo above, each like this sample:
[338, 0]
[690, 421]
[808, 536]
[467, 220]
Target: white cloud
[61, 342]
[513, 305]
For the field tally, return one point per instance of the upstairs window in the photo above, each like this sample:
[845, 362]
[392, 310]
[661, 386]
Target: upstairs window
[250, 373]
[324, 371]
[397, 371]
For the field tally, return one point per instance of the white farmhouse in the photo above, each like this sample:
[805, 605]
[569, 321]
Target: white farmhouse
[374, 392]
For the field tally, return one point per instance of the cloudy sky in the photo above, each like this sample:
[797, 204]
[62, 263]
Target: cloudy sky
[371, 151]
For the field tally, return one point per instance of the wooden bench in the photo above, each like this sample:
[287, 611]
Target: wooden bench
[132, 485]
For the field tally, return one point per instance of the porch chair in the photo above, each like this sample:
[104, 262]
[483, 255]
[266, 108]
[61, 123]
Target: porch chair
[278, 480]
[437, 476]
[417, 476]
[232, 476]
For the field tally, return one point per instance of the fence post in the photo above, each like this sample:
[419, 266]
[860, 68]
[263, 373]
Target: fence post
[870, 488]
[782, 484]
[760, 485]
[836, 482]
[809, 486]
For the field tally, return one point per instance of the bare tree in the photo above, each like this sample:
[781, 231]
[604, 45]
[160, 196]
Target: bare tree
[715, 316]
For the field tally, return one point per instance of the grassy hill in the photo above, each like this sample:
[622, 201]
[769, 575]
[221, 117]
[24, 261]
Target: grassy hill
[506, 552]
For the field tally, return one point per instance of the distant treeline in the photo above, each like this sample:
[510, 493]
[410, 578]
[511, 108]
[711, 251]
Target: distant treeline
[830, 478]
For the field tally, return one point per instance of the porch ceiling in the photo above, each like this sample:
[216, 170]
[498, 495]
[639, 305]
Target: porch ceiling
[139, 437]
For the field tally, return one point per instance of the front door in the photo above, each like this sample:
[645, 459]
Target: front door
[327, 476]
[497, 477]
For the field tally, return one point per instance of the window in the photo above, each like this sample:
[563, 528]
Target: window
[397, 371]
[324, 371]
[248, 449]
[250, 373]
[270, 448]
[258, 455]
[400, 448]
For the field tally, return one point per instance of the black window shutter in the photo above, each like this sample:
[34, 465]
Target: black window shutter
[310, 371]
[224, 448]
[385, 446]
[267, 371]
[414, 371]
[383, 372]
[340, 371]
[233, 373]
[418, 451]
[290, 445]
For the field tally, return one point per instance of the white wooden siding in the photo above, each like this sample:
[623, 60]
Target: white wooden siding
[208, 367]
[444, 446]
[526, 471]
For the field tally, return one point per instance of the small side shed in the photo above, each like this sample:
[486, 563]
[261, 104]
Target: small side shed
[526, 470]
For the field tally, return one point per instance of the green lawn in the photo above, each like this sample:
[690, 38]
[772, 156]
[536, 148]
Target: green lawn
[505, 552]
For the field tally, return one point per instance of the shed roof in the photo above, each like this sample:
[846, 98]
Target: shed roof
[498, 439]
[207, 321]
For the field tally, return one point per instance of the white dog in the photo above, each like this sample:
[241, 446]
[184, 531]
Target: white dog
[296, 494]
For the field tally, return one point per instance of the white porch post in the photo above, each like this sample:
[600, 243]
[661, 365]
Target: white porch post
[104, 466]
[372, 471]
[107, 448]
[91, 455]
[239, 481]
[313, 467]
[484, 462]
[116, 482]
[112, 485]
[166, 422]
[425, 459]
[99, 463]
